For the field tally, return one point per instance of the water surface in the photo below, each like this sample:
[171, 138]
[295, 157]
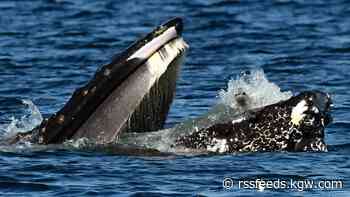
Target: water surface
[51, 47]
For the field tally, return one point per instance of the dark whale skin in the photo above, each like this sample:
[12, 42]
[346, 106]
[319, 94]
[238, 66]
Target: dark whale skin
[268, 129]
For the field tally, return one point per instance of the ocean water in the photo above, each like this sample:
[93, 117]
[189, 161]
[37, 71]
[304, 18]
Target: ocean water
[51, 47]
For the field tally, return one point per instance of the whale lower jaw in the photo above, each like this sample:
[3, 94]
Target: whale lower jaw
[141, 103]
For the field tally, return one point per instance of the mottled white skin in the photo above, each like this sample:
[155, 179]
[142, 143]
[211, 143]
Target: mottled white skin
[293, 125]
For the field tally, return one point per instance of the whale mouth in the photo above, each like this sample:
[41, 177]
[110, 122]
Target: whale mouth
[152, 42]
[133, 92]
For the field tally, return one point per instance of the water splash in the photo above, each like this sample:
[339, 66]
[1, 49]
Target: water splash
[259, 89]
[27, 122]
[80, 143]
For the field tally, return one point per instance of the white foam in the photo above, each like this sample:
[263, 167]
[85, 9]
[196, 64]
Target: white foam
[27, 122]
[79, 143]
[261, 91]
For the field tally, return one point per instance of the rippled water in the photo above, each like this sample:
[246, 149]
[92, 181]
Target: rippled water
[51, 47]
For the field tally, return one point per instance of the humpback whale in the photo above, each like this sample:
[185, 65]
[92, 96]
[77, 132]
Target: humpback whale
[295, 124]
[133, 92]
[126, 103]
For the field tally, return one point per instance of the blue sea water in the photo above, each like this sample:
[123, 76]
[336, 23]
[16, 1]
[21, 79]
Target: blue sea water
[51, 47]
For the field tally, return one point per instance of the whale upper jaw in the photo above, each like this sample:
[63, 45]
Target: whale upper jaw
[133, 92]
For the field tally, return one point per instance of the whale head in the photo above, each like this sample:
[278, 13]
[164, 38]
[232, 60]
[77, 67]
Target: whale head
[131, 93]
[310, 114]
[295, 124]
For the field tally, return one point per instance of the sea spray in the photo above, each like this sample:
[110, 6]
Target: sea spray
[259, 89]
[27, 122]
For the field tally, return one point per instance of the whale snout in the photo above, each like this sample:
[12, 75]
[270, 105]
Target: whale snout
[323, 102]
[317, 108]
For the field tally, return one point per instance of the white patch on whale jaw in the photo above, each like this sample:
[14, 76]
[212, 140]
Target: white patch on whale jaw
[218, 145]
[316, 146]
[298, 112]
[319, 146]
